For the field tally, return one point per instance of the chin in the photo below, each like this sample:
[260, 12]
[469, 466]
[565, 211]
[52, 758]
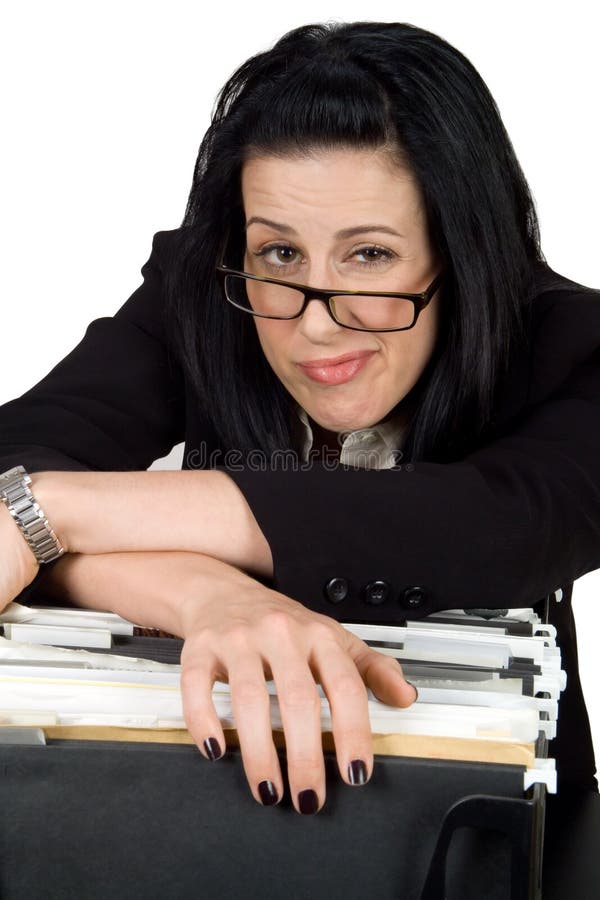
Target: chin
[350, 420]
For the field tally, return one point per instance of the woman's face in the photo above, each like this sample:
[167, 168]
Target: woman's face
[340, 219]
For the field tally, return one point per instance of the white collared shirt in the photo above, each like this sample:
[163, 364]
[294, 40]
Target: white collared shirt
[377, 447]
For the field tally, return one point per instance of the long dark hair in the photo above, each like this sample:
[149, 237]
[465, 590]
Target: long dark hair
[363, 85]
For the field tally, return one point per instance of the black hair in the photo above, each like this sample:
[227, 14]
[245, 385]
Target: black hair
[363, 85]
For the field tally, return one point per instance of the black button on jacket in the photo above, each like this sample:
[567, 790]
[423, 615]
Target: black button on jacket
[510, 522]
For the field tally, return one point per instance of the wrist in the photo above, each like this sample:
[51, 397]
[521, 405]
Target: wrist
[28, 516]
[52, 493]
[212, 583]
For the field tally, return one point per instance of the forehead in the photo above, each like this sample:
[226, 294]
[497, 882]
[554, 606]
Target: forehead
[329, 184]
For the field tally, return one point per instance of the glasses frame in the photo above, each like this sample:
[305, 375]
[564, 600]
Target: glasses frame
[419, 301]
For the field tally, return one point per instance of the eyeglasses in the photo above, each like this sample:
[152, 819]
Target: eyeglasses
[270, 298]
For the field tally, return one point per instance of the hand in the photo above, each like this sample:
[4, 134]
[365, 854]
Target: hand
[18, 565]
[243, 632]
[235, 629]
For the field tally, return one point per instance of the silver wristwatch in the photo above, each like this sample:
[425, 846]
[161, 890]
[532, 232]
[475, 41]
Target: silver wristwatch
[22, 506]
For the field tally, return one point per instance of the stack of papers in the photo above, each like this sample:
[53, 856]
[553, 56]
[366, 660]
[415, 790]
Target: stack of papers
[488, 688]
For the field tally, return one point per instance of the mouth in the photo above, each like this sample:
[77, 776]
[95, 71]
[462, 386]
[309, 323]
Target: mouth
[337, 370]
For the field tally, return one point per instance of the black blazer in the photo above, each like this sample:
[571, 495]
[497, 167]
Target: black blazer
[507, 525]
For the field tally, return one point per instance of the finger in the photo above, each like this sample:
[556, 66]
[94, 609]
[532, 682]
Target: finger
[197, 679]
[383, 675]
[252, 714]
[348, 702]
[300, 708]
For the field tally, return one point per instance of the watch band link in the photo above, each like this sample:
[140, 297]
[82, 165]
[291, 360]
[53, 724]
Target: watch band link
[30, 519]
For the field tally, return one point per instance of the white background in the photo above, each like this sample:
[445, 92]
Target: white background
[104, 105]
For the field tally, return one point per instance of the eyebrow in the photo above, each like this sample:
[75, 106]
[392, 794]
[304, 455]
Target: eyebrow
[344, 233]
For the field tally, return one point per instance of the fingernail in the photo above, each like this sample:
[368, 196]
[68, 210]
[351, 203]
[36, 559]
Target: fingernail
[268, 793]
[213, 748]
[308, 802]
[357, 772]
[416, 690]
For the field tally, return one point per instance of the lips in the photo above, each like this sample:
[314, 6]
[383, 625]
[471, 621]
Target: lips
[336, 370]
[335, 360]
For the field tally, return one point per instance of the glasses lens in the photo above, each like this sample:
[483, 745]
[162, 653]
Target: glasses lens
[369, 313]
[262, 298]
[373, 313]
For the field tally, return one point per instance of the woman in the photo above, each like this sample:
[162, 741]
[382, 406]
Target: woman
[363, 158]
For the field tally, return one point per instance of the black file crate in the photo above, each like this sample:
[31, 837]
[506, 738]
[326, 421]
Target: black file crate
[93, 820]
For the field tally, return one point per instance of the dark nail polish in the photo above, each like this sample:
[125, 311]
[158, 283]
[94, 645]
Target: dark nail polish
[213, 748]
[416, 689]
[308, 802]
[268, 793]
[357, 772]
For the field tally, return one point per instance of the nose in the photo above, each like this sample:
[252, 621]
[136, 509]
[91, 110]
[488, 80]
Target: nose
[316, 323]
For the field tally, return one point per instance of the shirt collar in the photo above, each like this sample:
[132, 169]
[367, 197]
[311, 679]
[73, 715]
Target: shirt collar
[374, 447]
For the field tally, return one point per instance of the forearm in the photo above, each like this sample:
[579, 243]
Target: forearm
[198, 512]
[172, 583]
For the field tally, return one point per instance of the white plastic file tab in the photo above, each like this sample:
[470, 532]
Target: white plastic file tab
[545, 629]
[548, 729]
[108, 675]
[17, 651]
[16, 613]
[456, 652]
[481, 626]
[459, 651]
[462, 697]
[533, 648]
[57, 634]
[86, 698]
[544, 772]
[550, 683]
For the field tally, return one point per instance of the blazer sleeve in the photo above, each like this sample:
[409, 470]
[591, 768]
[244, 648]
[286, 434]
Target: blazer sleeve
[115, 402]
[505, 526]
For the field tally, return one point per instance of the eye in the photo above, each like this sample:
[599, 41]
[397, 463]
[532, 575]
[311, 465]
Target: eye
[277, 255]
[374, 255]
